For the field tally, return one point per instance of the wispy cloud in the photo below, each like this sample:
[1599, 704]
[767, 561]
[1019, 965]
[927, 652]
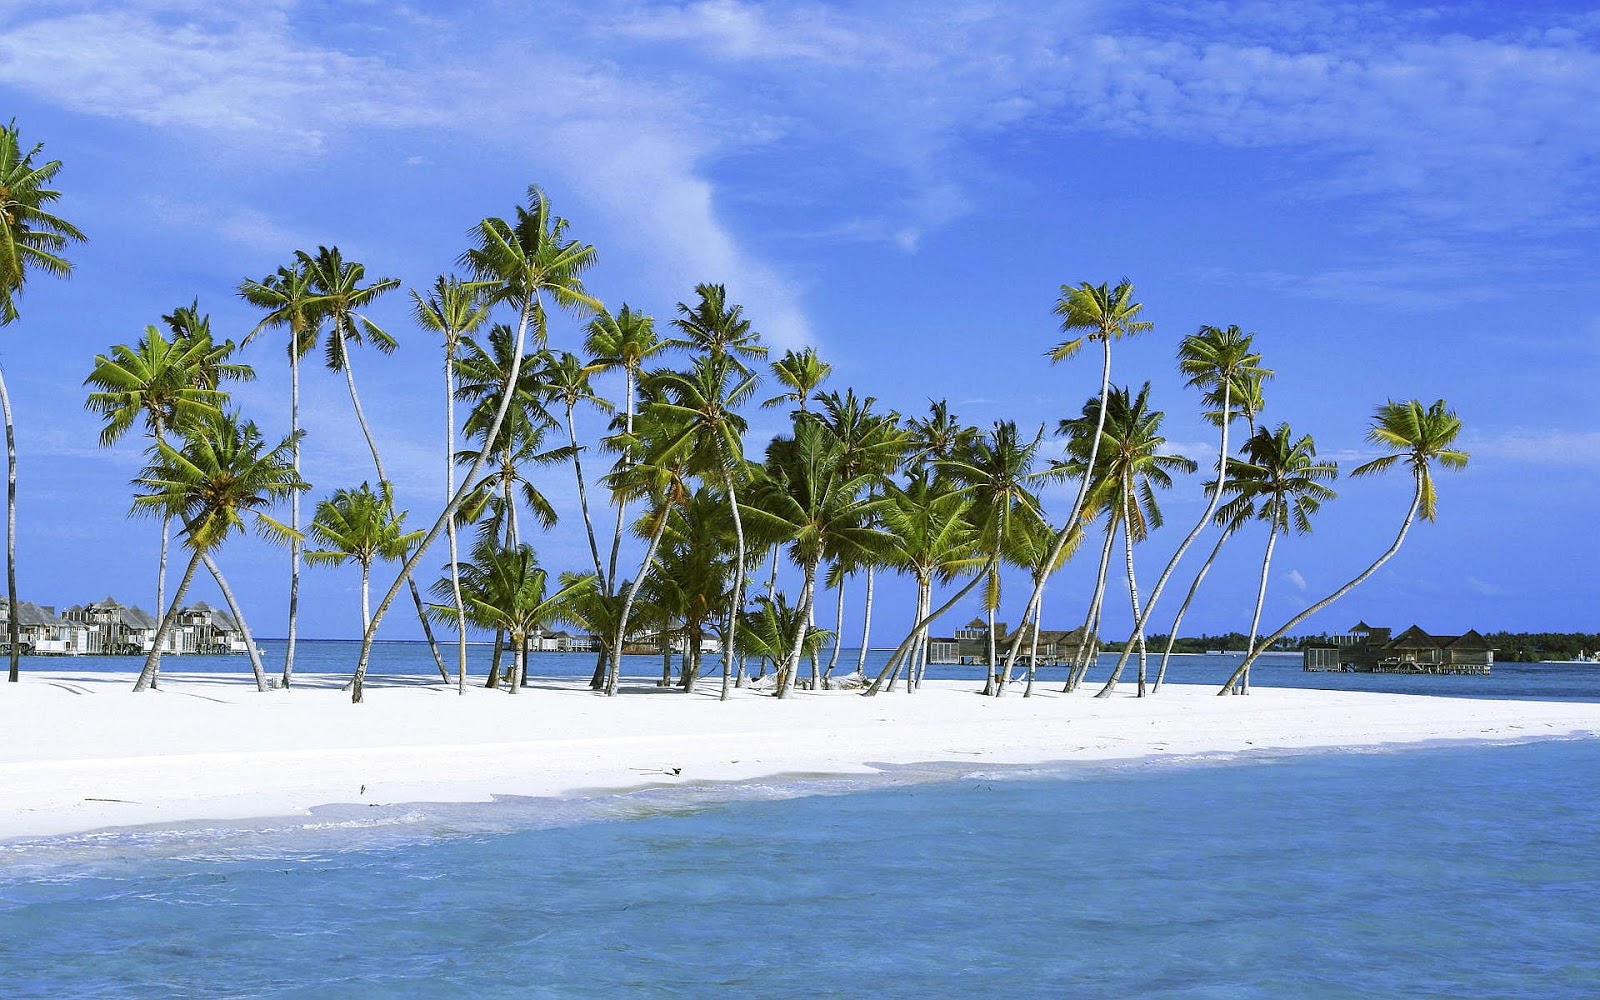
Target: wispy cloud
[1540, 446]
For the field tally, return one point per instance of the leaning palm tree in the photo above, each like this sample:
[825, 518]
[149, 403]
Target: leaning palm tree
[1104, 314]
[1419, 436]
[32, 239]
[453, 309]
[521, 263]
[363, 526]
[702, 403]
[155, 382]
[1216, 361]
[1278, 481]
[621, 340]
[292, 305]
[344, 298]
[566, 380]
[222, 474]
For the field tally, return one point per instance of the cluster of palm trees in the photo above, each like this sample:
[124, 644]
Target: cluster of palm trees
[848, 491]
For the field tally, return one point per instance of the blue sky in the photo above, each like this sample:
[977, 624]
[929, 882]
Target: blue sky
[1399, 200]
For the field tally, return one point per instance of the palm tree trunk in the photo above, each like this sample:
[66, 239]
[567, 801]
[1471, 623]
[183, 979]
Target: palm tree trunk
[1405, 526]
[152, 660]
[238, 616]
[791, 665]
[377, 463]
[990, 678]
[1080, 659]
[161, 569]
[13, 626]
[838, 635]
[1133, 596]
[1033, 648]
[1065, 533]
[927, 620]
[1172, 635]
[295, 540]
[1194, 532]
[615, 667]
[866, 627]
[622, 505]
[450, 526]
[1241, 686]
[583, 502]
[455, 501]
[736, 602]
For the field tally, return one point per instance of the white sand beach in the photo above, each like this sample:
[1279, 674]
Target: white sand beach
[82, 752]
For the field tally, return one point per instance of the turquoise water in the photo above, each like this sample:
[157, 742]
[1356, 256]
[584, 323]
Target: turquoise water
[1541, 681]
[1467, 871]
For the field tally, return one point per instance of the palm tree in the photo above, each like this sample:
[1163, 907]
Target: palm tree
[1216, 361]
[566, 378]
[521, 263]
[997, 472]
[800, 373]
[1104, 314]
[1030, 546]
[1419, 436]
[1135, 467]
[506, 590]
[223, 473]
[714, 329]
[453, 309]
[293, 305]
[623, 340]
[822, 506]
[702, 405]
[1280, 482]
[361, 525]
[693, 578]
[31, 239]
[772, 627]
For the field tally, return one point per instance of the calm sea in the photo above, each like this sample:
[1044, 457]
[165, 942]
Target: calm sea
[1450, 871]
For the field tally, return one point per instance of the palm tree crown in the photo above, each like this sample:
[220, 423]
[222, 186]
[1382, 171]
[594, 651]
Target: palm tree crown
[31, 238]
[1421, 437]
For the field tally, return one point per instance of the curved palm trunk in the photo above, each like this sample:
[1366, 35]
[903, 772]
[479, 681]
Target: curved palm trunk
[736, 602]
[791, 664]
[622, 505]
[1060, 543]
[450, 526]
[615, 666]
[296, 540]
[866, 627]
[1405, 526]
[238, 616]
[1211, 508]
[1133, 596]
[377, 463]
[927, 620]
[13, 627]
[1242, 685]
[1091, 618]
[1033, 647]
[455, 501]
[838, 636]
[583, 502]
[152, 660]
[1172, 635]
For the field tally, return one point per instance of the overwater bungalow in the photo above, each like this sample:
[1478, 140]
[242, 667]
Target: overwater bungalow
[970, 644]
[1371, 649]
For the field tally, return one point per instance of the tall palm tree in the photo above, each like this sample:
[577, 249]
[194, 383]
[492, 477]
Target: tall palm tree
[1135, 467]
[1419, 436]
[800, 373]
[702, 403]
[292, 305]
[453, 309]
[1216, 360]
[998, 473]
[623, 340]
[1279, 481]
[222, 475]
[32, 239]
[522, 263]
[362, 525]
[566, 378]
[694, 572]
[162, 383]
[713, 328]
[1104, 314]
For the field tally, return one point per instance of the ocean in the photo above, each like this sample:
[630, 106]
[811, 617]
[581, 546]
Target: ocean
[1466, 870]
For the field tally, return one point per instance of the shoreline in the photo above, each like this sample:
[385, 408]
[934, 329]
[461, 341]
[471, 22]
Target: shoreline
[83, 753]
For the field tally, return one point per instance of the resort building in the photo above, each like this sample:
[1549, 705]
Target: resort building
[1370, 649]
[110, 628]
[970, 644]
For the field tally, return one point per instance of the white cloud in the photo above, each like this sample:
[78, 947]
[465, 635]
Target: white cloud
[1540, 446]
[1294, 577]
